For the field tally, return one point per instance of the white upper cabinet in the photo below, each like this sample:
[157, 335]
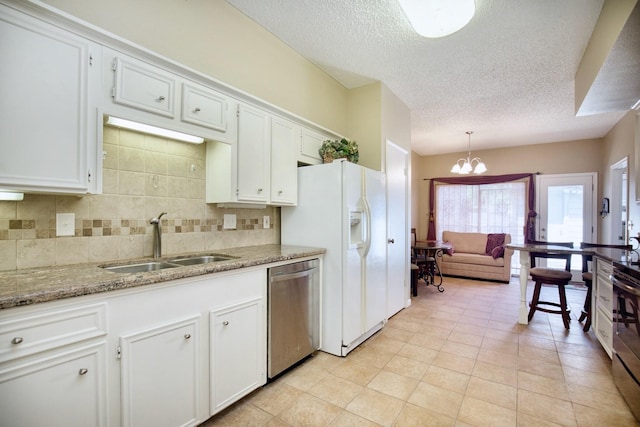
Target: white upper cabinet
[48, 140]
[204, 107]
[261, 168]
[285, 136]
[144, 87]
[137, 90]
[253, 155]
[310, 144]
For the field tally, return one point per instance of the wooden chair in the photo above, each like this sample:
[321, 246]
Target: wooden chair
[587, 278]
[419, 261]
[427, 264]
[550, 276]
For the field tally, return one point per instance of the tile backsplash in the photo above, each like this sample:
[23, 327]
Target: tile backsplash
[143, 175]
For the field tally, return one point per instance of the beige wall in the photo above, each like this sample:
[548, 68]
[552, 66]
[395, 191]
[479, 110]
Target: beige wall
[376, 115]
[364, 110]
[143, 176]
[214, 38]
[396, 121]
[553, 158]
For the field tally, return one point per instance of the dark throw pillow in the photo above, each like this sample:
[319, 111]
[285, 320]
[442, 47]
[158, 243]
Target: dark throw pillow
[497, 252]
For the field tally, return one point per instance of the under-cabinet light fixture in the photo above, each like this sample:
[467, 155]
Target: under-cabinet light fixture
[10, 195]
[141, 127]
[438, 18]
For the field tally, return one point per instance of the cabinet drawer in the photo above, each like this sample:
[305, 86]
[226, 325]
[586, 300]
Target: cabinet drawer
[204, 107]
[605, 268]
[605, 297]
[24, 335]
[144, 87]
[604, 329]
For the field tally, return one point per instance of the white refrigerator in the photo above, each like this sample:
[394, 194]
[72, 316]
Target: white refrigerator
[341, 207]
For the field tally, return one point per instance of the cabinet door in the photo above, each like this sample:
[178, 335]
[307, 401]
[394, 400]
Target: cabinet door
[204, 107]
[160, 375]
[310, 144]
[62, 389]
[144, 87]
[253, 155]
[284, 166]
[44, 109]
[238, 352]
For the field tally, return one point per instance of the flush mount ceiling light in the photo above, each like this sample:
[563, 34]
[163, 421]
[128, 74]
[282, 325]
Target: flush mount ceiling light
[438, 18]
[141, 127]
[464, 166]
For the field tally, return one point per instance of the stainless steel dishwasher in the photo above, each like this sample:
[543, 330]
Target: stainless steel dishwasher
[293, 314]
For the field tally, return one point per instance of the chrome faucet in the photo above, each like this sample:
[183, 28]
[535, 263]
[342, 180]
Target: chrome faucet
[157, 235]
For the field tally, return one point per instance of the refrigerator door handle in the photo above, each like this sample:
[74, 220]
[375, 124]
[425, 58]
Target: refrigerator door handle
[367, 225]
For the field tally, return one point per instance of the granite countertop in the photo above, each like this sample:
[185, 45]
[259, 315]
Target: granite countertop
[38, 285]
[610, 254]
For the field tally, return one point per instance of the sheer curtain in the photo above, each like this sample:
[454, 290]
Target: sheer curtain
[491, 205]
[483, 208]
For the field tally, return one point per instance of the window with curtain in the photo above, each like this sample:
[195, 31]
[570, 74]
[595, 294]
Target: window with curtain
[482, 208]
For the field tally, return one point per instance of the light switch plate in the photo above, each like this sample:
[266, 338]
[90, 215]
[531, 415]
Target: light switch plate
[266, 221]
[65, 224]
[229, 221]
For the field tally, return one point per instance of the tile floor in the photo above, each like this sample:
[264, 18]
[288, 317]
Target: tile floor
[457, 358]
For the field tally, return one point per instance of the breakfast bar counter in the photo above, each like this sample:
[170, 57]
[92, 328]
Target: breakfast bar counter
[38, 285]
[525, 248]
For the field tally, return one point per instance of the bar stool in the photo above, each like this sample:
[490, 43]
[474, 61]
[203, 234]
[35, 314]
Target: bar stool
[587, 278]
[550, 276]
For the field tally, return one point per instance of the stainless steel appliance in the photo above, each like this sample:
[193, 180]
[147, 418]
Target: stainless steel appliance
[293, 314]
[626, 334]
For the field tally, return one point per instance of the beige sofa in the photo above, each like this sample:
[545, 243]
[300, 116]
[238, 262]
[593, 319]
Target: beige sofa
[470, 257]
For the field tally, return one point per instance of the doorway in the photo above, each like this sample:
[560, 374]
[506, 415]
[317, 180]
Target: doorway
[619, 215]
[396, 165]
[566, 210]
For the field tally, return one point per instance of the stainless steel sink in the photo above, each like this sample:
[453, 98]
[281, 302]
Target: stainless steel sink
[203, 259]
[141, 267]
[161, 265]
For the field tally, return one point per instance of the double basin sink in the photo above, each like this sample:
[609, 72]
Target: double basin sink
[161, 265]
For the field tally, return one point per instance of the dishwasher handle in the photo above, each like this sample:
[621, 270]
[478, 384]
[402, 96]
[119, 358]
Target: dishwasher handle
[296, 275]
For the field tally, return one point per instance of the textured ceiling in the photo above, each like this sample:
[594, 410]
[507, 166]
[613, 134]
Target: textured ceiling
[508, 75]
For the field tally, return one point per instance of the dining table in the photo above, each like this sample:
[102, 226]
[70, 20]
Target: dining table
[525, 264]
[431, 250]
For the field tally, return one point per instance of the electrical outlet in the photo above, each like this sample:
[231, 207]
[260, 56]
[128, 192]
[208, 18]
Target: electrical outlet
[65, 224]
[266, 221]
[229, 221]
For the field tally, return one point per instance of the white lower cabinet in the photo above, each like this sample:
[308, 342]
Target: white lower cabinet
[184, 349]
[53, 366]
[169, 354]
[237, 363]
[160, 372]
[602, 304]
[62, 389]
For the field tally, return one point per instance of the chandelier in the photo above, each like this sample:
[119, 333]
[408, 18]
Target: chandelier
[464, 166]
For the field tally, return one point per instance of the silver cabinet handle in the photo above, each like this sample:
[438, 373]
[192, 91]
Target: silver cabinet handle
[391, 241]
[161, 98]
[259, 190]
[16, 340]
[196, 110]
[83, 371]
[225, 323]
[280, 192]
[187, 336]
